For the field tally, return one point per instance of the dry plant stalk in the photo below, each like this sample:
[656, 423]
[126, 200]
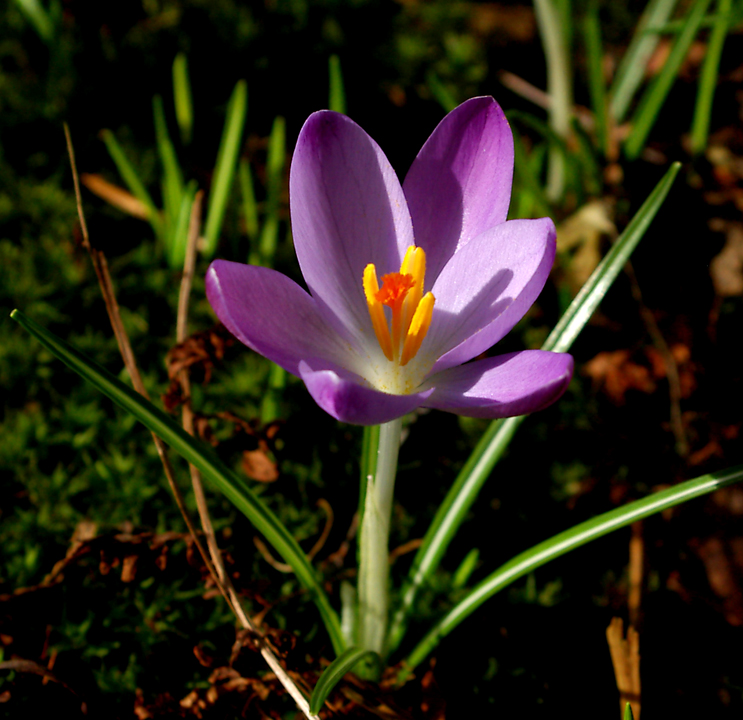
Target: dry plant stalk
[215, 565]
[636, 562]
[625, 657]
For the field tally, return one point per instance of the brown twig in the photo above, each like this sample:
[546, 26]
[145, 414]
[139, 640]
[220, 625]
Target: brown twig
[224, 583]
[625, 657]
[216, 569]
[636, 562]
[672, 372]
[112, 307]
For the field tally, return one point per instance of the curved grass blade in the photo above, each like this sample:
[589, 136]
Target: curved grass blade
[708, 78]
[224, 170]
[130, 177]
[563, 543]
[633, 66]
[334, 673]
[655, 95]
[491, 447]
[230, 484]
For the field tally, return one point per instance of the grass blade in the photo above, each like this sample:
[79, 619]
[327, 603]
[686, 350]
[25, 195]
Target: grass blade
[179, 236]
[440, 92]
[130, 177]
[655, 95]
[596, 84]
[250, 208]
[37, 15]
[563, 543]
[334, 673]
[274, 182]
[337, 93]
[554, 29]
[708, 78]
[199, 455]
[492, 445]
[172, 177]
[224, 171]
[182, 97]
[632, 68]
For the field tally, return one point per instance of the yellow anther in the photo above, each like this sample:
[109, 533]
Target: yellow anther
[418, 328]
[402, 292]
[376, 311]
[414, 264]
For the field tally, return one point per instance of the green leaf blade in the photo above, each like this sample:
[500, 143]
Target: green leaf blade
[490, 448]
[562, 543]
[230, 484]
[334, 673]
[229, 150]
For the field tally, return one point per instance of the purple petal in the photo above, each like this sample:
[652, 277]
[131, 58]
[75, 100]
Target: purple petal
[502, 386]
[460, 184]
[272, 315]
[486, 288]
[352, 402]
[347, 210]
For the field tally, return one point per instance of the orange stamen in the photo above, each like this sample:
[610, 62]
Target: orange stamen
[412, 311]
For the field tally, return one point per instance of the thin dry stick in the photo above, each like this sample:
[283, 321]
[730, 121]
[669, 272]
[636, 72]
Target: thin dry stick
[625, 657]
[125, 348]
[672, 372]
[223, 580]
[636, 562]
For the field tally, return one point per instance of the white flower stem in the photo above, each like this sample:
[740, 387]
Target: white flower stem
[374, 569]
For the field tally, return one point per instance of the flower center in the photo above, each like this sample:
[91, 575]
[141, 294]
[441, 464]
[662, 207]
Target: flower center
[402, 292]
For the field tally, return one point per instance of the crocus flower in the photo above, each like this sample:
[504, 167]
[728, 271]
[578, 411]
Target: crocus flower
[407, 284]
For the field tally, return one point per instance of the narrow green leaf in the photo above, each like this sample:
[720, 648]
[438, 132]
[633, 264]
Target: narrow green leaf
[463, 572]
[224, 171]
[334, 673]
[182, 98]
[708, 78]
[555, 31]
[37, 15]
[492, 445]
[440, 92]
[633, 65]
[596, 82]
[628, 712]
[272, 396]
[655, 95]
[274, 182]
[563, 543]
[131, 179]
[535, 203]
[172, 176]
[179, 239]
[250, 208]
[225, 480]
[337, 94]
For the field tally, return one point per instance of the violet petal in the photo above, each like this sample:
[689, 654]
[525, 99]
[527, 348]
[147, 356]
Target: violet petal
[459, 185]
[272, 315]
[347, 210]
[486, 288]
[502, 386]
[351, 402]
